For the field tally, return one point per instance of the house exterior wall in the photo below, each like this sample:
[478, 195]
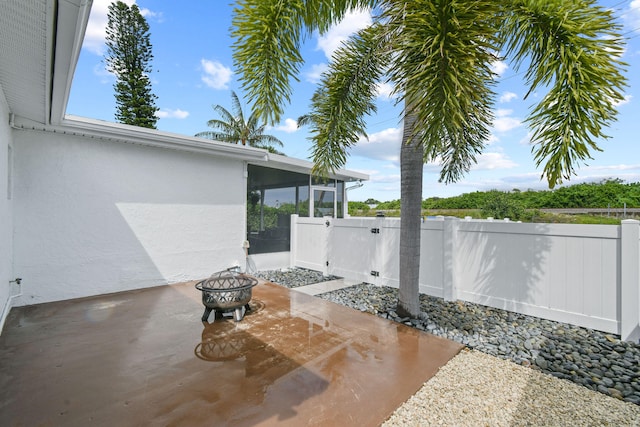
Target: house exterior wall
[6, 216]
[95, 217]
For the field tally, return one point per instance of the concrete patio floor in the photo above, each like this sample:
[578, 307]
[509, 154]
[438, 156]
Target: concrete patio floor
[145, 358]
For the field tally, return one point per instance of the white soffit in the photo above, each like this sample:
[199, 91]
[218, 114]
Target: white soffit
[35, 75]
[24, 55]
[302, 166]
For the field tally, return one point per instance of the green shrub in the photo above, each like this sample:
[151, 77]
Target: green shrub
[499, 205]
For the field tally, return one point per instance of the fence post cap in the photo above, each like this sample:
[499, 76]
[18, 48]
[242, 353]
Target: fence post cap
[630, 221]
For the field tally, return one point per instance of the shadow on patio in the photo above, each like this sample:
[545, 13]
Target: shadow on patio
[144, 357]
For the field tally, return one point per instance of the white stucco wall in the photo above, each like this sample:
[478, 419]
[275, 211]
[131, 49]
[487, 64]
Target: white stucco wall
[94, 217]
[6, 221]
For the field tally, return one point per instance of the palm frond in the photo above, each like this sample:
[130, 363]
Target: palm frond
[226, 115]
[266, 52]
[232, 128]
[444, 51]
[266, 49]
[321, 14]
[574, 50]
[269, 140]
[345, 96]
[237, 108]
[218, 136]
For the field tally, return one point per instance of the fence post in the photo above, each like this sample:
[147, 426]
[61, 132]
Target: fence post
[629, 298]
[328, 229]
[293, 241]
[449, 262]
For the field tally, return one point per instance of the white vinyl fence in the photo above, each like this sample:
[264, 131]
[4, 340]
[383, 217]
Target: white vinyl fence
[587, 275]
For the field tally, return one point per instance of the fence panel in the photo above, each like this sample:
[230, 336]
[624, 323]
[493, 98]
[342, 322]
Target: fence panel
[569, 273]
[387, 249]
[352, 248]
[432, 258]
[309, 243]
[565, 273]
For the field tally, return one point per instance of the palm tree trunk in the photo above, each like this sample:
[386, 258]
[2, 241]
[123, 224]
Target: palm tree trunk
[411, 165]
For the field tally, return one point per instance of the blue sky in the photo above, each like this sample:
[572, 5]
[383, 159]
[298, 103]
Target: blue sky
[193, 70]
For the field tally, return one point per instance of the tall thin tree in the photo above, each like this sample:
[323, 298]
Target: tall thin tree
[128, 57]
[438, 54]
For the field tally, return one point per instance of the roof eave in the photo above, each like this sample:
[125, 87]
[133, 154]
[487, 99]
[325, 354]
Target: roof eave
[71, 21]
[304, 166]
[118, 132]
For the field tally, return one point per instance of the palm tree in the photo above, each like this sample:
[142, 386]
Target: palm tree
[438, 55]
[233, 128]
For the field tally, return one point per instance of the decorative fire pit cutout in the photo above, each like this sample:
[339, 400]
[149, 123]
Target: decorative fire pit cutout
[226, 291]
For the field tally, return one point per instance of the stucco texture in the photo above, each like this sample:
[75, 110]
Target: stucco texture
[6, 227]
[95, 217]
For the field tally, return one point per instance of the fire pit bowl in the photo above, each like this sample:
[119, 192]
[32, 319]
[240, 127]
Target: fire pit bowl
[226, 291]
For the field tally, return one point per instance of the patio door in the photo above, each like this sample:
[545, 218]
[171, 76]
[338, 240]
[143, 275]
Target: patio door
[323, 202]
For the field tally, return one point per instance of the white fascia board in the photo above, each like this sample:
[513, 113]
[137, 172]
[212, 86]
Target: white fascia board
[70, 26]
[3, 100]
[291, 164]
[118, 132]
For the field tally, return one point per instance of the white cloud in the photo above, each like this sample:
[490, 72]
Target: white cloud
[504, 123]
[626, 100]
[385, 91]
[523, 182]
[379, 178]
[492, 139]
[172, 114]
[100, 71]
[526, 140]
[96, 27]
[383, 145]
[599, 177]
[533, 180]
[499, 67]
[352, 22]
[507, 97]
[315, 74]
[289, 126]
[156, 16]
[621, 167]
[386, 182]
[493, 161]
[632, 16]
[216, 75]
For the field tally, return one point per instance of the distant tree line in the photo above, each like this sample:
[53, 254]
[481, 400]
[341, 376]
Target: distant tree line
[608, 193]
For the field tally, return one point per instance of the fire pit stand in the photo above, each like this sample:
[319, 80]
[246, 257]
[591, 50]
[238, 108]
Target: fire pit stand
[226, 291]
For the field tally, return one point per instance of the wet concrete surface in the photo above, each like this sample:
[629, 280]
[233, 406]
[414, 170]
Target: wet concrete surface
[145, 358]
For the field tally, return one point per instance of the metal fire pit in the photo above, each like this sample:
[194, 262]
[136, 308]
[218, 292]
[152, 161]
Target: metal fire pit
[226, 291]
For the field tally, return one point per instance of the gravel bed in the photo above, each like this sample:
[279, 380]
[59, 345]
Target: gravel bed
[593, 359]
[475, 389]
[293, 277]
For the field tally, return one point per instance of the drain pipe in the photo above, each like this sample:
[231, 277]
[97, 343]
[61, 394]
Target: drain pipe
[346, 198]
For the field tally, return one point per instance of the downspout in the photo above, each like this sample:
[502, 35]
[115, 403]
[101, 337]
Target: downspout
[346, 198]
